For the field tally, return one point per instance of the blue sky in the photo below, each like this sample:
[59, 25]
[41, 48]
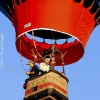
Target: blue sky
[84, 81]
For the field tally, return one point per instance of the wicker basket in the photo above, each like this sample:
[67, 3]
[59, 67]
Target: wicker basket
[46, 84]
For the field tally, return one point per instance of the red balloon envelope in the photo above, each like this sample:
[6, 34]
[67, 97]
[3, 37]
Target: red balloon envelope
[66, 18]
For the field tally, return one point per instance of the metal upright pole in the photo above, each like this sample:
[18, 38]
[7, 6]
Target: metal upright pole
[62, 57]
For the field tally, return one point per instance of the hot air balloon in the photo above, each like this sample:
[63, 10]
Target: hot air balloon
[54, 20]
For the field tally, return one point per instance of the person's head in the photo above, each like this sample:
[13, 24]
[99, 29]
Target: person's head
[31, 63]
[45, 52]
[47, 59]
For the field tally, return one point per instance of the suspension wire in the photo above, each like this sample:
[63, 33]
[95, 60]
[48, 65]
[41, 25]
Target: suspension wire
[75, 63]
[67, 70]
[43, 40]
[25, 48]
[28, 53]
[62, 58]
[14, 71]
[22, 63]
[66, 52]
[64, 55]
[31, 50]
[75, 69]
[21, 57]
[75, 74]
[35, 45]
[71, 46]
[63, 64]
[69, 49]
[66, 40]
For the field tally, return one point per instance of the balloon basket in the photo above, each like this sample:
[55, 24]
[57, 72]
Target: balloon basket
[48, 86]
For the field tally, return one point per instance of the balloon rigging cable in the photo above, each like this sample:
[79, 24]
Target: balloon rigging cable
[21, 56]
[14, 71]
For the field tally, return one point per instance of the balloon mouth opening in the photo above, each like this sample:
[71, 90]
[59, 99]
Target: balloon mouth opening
[49, 35]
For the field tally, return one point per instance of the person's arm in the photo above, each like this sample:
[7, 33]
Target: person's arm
[32, 72]
[28, 73]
